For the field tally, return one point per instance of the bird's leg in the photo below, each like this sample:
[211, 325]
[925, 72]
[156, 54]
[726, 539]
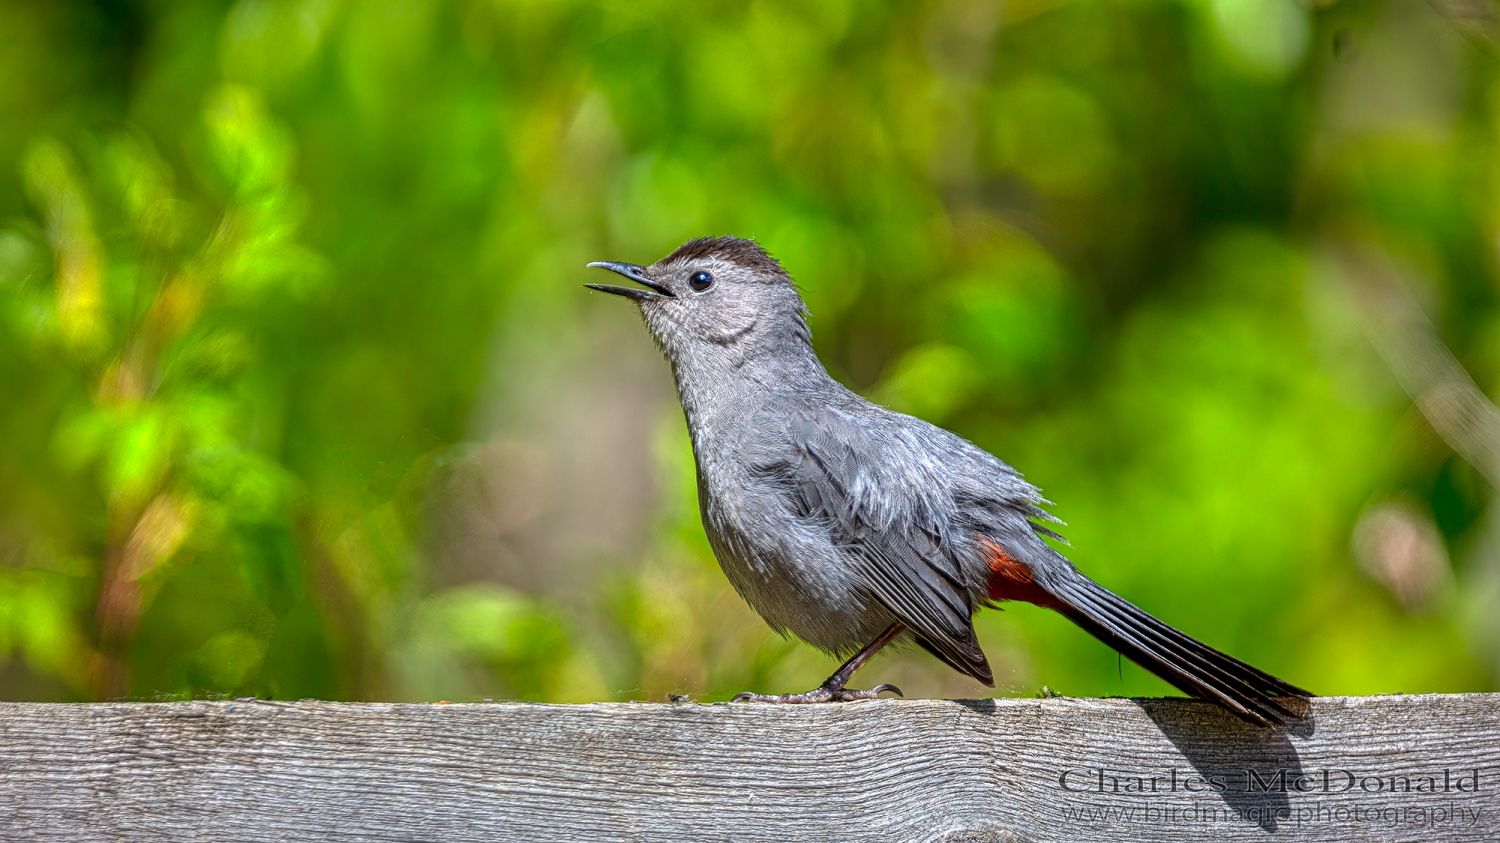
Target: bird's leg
[832, 689]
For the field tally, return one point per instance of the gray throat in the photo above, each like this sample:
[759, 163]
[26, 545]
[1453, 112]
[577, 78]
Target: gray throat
[722, 387]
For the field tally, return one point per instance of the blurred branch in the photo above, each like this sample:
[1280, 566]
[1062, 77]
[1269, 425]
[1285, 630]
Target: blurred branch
[1406, 339]
[1475, 18]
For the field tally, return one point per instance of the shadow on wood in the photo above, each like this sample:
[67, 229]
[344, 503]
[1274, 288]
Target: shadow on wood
[1213, 741]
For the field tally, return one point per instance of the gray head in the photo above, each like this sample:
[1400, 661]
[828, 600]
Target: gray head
[718, 299]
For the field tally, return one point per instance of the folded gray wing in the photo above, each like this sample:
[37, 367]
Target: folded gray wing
[891, 532]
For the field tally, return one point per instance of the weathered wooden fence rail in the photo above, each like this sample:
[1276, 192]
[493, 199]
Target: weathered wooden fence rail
[1374, 768]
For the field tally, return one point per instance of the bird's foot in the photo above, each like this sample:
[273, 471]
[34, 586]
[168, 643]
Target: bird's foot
[820, 694]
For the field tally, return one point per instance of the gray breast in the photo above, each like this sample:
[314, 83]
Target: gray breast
[782, 562]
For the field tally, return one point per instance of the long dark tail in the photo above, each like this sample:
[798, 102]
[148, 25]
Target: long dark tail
[1185, 662]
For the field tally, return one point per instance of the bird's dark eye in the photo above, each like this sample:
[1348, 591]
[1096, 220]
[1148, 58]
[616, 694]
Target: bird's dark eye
[700, 281]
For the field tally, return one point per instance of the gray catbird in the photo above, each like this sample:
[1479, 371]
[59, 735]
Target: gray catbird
[848, 524]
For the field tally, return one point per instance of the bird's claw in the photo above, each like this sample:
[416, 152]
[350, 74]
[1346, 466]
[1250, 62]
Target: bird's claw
[850, 695]
[818, 695]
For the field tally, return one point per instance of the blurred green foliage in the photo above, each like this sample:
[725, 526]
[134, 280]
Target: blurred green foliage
[282, 281]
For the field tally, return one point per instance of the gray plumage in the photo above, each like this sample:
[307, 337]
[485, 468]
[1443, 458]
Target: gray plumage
[836, 518]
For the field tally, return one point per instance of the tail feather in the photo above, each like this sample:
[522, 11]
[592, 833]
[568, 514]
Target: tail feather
[1188, 678]
[1186, 663]
[1228, 674]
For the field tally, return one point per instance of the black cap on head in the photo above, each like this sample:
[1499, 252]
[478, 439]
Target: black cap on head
[736, 250]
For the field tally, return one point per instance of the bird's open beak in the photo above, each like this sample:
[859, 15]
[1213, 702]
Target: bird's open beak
[636, 274]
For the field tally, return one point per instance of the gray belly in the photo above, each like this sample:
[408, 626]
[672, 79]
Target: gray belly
[798, 581]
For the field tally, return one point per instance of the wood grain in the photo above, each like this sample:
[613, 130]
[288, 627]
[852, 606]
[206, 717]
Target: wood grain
[986, 770]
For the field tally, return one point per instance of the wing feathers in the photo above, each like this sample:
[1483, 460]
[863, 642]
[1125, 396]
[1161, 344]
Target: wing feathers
[901, 560]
